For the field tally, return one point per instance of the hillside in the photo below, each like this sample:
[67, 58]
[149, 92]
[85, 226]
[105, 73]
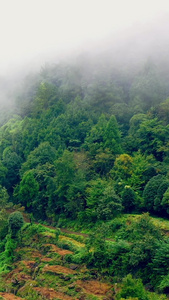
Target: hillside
[84, 145]
[49, 264]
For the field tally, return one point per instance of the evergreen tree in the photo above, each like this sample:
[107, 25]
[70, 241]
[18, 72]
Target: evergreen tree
[112, 136]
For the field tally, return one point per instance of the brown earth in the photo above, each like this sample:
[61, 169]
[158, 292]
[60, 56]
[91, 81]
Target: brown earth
[8, 296]
[51, 293]
[46, 259]
[17, 276]
[94, 287]
[15, 271]
[30, 264]
[36, 254]
[32, 252]
[58, 250]
[57, 269]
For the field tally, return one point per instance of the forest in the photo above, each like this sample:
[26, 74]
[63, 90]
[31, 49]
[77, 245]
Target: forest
[86, 146]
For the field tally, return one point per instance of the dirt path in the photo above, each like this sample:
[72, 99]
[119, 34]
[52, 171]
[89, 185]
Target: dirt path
[64, 230]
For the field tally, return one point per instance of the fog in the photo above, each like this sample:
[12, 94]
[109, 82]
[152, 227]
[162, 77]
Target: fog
[35, 32]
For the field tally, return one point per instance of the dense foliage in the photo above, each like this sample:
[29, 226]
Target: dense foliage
[88, 143]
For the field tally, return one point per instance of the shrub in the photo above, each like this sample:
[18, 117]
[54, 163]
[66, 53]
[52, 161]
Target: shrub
[164, 285]
[150, 191]
[132, 288]
[116, 224]
[128, 199]
[15, 222]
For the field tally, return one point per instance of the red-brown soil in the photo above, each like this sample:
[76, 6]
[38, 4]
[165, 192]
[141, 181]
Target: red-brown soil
[58, 250]
[51, 293]
[94, 287]
[30, 264]
[8, 296]
[57, 269]
[17, 275]
[46, 259]
[32, 252]
[36, 253]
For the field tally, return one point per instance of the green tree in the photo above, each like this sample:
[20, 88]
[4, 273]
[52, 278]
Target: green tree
[65, 174]
[147, 86]
[165, 201]
[3, 198]
[97, 249]
[95, 191]
[143, 169]
[132, 288]
[160, 263]
[128, 199]
[153, 138]
[112, 136]
[135, 123]
[122, 167]
[41, 155]
[12, 162]
[109, 205]
[46, 95]
[158, 204]
[163, 111]
[94, 139]
[150, 191]
[27, 191]
[102, 199]
[3, 173]
[15, 222]
[145, 237]
[103, 161]
[4, 205]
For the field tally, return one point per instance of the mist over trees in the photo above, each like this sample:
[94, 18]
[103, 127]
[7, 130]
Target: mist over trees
[86, 139]
[98, 117]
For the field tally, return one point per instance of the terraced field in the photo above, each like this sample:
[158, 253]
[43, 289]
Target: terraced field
[41, 270]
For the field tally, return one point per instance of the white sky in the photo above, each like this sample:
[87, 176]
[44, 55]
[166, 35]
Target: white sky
[29, 28]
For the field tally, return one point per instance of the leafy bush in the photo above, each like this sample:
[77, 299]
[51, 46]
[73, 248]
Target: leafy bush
[128, 199]
[15, 222]
[164, 285]
[160, 263]
[132, 288]
[6, 257]
[150, 191]
[116, 224]
[3, 230]
[119, 258]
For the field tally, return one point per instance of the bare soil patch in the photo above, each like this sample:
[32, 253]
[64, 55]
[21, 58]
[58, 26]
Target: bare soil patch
[52, 294]
[15, 271]
[94, 287]
[58, 250]
[35, 254]
[46, 259]
[17, 277]
[8, 296]
[29, 264]
[29, 252]
[57, 269]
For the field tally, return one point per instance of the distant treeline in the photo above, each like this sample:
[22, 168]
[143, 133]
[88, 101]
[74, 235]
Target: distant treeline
[88, 140]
